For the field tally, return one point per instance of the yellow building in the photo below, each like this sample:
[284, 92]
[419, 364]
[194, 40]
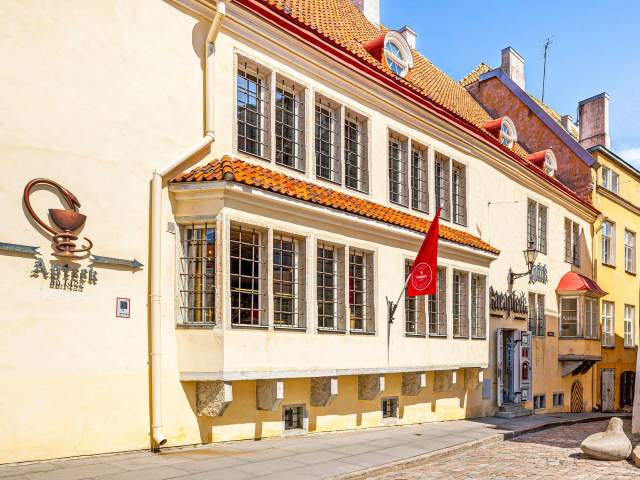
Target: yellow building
[617, 196]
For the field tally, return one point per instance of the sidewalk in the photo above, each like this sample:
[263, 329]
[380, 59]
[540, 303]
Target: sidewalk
[315, 456]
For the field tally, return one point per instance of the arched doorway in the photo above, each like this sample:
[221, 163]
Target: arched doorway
[577, 402]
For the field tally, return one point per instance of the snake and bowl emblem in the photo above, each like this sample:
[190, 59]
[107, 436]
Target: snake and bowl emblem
[67, 220]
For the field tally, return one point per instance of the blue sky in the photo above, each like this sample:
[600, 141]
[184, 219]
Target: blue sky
[596, 48]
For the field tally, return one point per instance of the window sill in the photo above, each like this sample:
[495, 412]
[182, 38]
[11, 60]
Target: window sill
[249, 327]
[630, 347]
[608, 347]
[415, 335]
[441, 336]
[333, 182]
[360, 332]
[630, 273]
[478, 338]
[290, 328]
[289, 167]
[461, 337]
[195, 326]
[565, 337]
[609, 265]
[364, 192]
[331, 330]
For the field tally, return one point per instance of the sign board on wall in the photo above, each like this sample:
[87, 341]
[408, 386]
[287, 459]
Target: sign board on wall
[123, 307]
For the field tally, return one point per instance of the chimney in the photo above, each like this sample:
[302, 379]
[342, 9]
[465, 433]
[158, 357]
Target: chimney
[513, 66]
[409, 35]
[370, 9]
[567, 122]
[593, 120]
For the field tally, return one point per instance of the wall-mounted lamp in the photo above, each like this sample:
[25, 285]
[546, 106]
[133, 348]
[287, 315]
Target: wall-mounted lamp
[530, 255]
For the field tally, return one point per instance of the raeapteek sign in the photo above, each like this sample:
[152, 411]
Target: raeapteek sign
[65, 277]
[515, 302]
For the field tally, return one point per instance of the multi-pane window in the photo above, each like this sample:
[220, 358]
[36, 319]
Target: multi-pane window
[288, 281]
[398, 171]
[458, 193]
[629, 251]
[293, 417]
[608, 243]
[289, 124]
[571, 242]
[537, 323]
[356, 172]
[247, 273]
[460, 304]
[198, 274]
[610, 180]
[569, 317]
[478, 299]
[328, 286]
[414, 310]
[327, 140]
[252, 109]
[536, 226]
[437, 307]
[390, 407]
[360, 291]
[629, 322]
[539, 401]
[558, 399]
[590, 318]
[608, 324]
[419, 191]
[441, 179]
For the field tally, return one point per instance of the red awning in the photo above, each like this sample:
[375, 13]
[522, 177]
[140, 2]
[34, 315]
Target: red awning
[577, 283]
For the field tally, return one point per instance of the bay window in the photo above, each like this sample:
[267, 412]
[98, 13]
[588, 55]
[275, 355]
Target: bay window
[198, 274]
[328, 286]
[437, 307]
[360, 291]
[478, 299]
[460, 304]
[414, 310]
[591, 318]
[569, 317]
[288, 281]
[247, 275]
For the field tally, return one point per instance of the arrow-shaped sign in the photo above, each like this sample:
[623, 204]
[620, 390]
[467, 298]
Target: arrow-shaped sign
[14, 247]
[116, 261]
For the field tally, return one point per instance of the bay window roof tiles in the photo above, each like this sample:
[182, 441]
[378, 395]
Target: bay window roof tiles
[239, 171]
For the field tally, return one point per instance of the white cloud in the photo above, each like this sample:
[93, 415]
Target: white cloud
[631, 155]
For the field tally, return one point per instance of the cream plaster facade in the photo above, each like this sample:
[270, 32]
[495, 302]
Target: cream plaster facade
[117, 93]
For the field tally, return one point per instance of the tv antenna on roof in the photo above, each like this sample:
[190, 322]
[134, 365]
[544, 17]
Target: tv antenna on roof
[547, 44]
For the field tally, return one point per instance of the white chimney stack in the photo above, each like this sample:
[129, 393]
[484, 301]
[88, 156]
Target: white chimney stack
[593, 120]
[513, 65]
[409, 35]
[370, 9]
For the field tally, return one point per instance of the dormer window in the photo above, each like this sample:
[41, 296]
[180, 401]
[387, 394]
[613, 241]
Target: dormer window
[392, 48]
[395, 58]
[504, 129]
[544, 160]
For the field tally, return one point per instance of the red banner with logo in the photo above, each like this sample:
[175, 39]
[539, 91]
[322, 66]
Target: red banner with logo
[423, 273]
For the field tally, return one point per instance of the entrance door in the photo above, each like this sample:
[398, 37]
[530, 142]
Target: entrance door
[607, 380]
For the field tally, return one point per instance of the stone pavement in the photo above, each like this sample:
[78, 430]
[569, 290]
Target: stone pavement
[548, 454]
[315, 456]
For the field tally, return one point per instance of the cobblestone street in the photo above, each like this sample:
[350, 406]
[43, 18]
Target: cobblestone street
[553, 453]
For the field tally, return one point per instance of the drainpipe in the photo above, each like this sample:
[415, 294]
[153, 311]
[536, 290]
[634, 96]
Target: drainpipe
[156, 231]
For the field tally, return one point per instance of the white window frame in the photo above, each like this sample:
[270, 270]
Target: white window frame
[608, 312]
[591, 318]
[608, 243]
[629, 251]
[629, 326]
[561, 305]
[537, 227]
[398, 168]
[610, 180]
[508, 133]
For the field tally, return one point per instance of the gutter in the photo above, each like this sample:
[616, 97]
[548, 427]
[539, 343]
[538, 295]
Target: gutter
[155, 290]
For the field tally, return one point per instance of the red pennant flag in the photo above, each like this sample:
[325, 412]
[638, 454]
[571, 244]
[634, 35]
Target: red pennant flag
[422, 276]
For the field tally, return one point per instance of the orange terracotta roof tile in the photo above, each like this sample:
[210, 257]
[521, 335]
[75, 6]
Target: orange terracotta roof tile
[231, 169]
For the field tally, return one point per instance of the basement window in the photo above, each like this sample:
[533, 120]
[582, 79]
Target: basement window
[558, 399]
[539, 401]
[293, 417]
[390, 407]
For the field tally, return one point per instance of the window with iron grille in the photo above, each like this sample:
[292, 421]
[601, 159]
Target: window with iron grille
[537, 320]
[360, 291]
[414, 310]
[288, 281]
[459, 193]
[293, 417]
[198, 274]
[591, 318]
[247, 274]
[328, 286]
[290, 124]
[629, 251]
[536, 226]
[629, 322]
[419, 190]
[608, 324]
[608, 243]
[252, 109]
[327, 140]
[460, 304]
[390, 407]
[437, 307]
[478, 302]
[441, 178]
[398, 171]
[356, 170]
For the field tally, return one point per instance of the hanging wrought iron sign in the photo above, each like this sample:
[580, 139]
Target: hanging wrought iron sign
[538, 274]
[515, 302]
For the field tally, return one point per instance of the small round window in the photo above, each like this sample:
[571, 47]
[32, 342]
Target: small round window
[508, 134]
[550, 164]
[395, 58]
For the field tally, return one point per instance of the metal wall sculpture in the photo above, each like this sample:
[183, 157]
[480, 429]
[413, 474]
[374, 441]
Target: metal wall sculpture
[67, 220]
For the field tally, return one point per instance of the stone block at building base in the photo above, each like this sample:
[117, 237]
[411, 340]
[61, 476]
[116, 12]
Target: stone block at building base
[369, 386]
[323, 390]
[413, 382]
[212, 398]
[444, 380]
[635, 456]
[269, 394]
[612, 444]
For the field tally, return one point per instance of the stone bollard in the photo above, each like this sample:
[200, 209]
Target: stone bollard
[612, 444]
